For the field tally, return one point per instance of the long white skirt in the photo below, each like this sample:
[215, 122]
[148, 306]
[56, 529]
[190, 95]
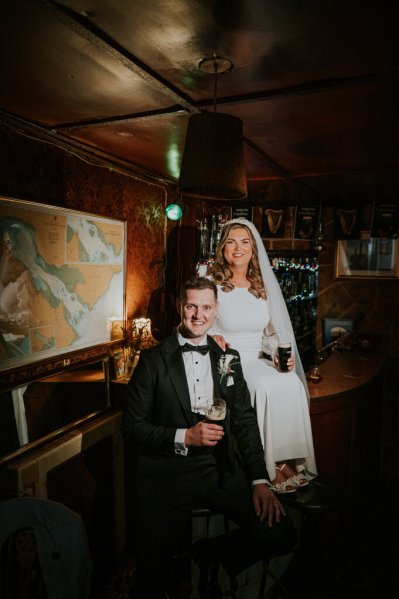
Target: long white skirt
[283, 415]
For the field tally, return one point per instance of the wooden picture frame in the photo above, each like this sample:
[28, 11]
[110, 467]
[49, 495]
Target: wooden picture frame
[273, 222]
[385, 220]
[305, 222]
[63, 281]
[367, 258]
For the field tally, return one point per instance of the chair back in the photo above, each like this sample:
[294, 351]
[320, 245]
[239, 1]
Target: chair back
[44, 543]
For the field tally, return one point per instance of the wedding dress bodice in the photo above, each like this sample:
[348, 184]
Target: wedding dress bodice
[241, 320]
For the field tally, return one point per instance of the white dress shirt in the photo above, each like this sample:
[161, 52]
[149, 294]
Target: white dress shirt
[200, 385]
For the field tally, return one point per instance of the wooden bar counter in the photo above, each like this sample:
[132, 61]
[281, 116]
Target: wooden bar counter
[346, 414]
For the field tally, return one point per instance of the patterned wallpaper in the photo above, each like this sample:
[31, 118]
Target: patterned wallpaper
[40, 172]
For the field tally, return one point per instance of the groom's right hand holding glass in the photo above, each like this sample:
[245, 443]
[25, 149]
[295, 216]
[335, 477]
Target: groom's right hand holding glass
[204, 434]
[209, 431]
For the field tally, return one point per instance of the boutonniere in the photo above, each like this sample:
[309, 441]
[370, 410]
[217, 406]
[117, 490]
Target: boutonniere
[225, 363]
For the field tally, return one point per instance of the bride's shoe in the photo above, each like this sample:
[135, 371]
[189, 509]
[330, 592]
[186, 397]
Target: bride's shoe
[285, 487]
[298, 480]
[282, 486]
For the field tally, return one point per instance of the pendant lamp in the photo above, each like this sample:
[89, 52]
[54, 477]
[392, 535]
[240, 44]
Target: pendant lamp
[213, 158]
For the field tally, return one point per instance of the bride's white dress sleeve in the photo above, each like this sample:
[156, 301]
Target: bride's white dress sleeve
[269, 341]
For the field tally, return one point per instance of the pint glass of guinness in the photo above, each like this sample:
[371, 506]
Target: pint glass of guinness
[284, 353]
[216, 411]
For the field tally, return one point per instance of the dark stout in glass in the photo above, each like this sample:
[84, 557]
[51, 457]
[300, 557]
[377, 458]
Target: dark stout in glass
[216, 412]
[284, 353]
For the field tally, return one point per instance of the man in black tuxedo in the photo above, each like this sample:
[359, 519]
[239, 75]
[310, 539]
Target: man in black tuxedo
[185, 462]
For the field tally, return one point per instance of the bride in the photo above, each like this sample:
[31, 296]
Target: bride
[253, 318]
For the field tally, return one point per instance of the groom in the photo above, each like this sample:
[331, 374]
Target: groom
[186, 462]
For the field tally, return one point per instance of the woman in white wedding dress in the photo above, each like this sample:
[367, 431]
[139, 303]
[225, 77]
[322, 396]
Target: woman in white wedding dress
[253, 318]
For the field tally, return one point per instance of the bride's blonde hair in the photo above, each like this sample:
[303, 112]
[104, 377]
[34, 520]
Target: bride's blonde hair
[222, 273]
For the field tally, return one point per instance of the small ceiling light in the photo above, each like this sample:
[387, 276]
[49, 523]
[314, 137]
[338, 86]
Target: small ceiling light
[213, 159]
[174, 211]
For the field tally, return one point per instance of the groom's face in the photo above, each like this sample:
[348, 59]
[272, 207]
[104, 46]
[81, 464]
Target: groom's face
[197, 313]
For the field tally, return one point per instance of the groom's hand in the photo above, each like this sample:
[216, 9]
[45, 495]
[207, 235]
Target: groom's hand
[266, 504]
[204, 434]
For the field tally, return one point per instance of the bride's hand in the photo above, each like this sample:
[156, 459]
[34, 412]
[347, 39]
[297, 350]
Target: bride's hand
[220, 340]
[290, 362]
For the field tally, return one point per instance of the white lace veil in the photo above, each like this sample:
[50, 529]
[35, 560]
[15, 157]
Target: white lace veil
[279, 316]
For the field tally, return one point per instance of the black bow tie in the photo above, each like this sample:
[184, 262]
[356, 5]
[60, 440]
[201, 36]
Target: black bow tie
[202, 349]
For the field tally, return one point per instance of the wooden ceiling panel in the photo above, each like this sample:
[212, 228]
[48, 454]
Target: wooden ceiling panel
[358, 187]
[338, 130]
[272, 45]
[315, 84]
[56, 75]
[153, 144]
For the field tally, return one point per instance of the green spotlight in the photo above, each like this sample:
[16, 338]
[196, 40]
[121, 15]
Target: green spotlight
[174, 211]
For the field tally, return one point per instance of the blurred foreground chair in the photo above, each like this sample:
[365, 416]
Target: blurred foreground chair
[44, 551]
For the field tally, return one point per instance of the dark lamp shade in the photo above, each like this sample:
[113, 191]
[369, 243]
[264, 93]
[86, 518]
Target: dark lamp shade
[213, 159]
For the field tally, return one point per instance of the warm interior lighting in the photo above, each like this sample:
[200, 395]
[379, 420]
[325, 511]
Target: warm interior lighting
[213, 158]
[174, 211]
[141, 333]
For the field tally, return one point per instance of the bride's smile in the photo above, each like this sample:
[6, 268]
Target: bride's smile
[238, 248]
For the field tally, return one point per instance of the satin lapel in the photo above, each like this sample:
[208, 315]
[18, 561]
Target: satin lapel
[175, 368]
[224, 452]
[215, 352]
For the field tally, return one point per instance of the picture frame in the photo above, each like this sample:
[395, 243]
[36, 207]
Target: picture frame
[305, 222]
[242, 211]
[69, 270]
[273, 222]
[347, 223]
[385, 220]
[367, 258]
[334, 328]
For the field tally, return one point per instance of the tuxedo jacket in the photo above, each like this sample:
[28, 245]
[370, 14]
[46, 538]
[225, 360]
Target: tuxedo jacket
[158, 403]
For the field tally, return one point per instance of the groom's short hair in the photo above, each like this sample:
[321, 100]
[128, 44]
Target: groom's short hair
[197, 283]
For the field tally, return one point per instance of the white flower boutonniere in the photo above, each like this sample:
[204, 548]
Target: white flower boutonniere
[225, 363]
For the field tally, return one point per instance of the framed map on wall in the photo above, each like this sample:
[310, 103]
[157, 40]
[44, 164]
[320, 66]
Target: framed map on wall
[62, 280]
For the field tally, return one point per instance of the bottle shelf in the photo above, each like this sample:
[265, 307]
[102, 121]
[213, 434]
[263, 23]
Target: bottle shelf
[298, 279]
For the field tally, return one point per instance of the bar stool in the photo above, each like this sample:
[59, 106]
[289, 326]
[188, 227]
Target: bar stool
[323, 497]
[208, 514]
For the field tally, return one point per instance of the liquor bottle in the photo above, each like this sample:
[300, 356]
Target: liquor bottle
[204, 239]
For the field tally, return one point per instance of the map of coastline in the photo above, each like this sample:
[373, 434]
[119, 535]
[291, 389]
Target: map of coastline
[61, 281]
